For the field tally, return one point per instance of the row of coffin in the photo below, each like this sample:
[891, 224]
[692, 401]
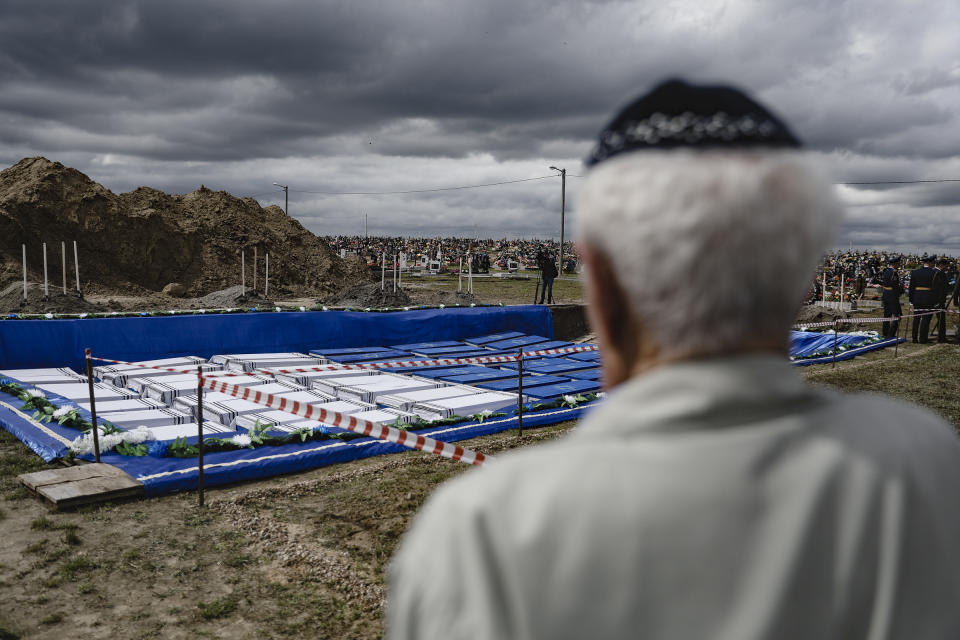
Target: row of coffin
[166, 401]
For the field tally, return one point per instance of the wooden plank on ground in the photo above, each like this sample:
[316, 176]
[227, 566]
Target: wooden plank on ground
[83, 484]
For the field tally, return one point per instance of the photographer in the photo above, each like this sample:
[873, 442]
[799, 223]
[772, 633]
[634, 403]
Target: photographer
[548, 271]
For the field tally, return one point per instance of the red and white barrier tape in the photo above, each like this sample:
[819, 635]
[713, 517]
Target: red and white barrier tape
[376, 365]
[918, 313]
[351, 423]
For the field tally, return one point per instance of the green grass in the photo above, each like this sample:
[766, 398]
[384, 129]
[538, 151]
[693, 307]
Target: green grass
[219, 608]
[493, 290]
[13, 462]
[923, 374]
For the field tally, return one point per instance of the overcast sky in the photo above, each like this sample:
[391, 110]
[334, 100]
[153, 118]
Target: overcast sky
[403, 95]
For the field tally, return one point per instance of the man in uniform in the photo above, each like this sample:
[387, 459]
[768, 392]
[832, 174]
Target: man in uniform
[892, 289]
[712, 493]
[922, 297]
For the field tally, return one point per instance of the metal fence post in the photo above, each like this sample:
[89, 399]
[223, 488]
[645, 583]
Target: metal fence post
[199, 435]
[93, 407]
[835, 324]
[520, 392]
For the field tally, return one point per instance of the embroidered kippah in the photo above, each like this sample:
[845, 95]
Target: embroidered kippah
[678, 114]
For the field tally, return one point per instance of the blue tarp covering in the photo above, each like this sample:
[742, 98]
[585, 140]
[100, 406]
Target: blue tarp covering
[849, 353]
[32, 344]
[58, 343]
[810, 347]
[166, 475]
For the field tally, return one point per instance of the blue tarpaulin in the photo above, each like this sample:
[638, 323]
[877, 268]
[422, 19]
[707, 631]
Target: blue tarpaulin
[57, 343]
[54, 343]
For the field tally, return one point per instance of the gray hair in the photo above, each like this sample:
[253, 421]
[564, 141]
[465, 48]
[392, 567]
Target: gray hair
[711, 248]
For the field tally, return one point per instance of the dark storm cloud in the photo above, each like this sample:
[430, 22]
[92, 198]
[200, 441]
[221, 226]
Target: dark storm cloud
[368, 96]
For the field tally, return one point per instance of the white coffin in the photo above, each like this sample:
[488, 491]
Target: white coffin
[188, 430]
[226, 411]
[188, 404]
[383, 385]
[277, 363]
[224, 358]
[167, 390]
[307, 378]
[140, 383]
[380, 416]
[332, 384]
[116, 406]
[62, 375]
[81, 391]
[384, 416]
[309, 397]
[148, 418]
[464, 405]
[406, 399]
[282, 417]
[119, 374]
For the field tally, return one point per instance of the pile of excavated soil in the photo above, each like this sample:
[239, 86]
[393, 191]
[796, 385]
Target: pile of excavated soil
[146, 239]
[812, 313]
[447, 298]
[369, 295]
[232, 297]
[11, 300]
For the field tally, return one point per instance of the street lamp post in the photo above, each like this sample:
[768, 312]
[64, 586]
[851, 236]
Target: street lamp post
[563, 206]
[286, 200]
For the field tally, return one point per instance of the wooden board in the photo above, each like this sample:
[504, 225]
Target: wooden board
[82, 484]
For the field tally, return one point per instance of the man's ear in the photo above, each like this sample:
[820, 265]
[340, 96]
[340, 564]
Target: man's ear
[610, 317]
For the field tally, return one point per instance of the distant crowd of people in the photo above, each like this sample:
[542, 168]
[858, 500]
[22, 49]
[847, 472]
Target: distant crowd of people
[487, 253]
[930, 282]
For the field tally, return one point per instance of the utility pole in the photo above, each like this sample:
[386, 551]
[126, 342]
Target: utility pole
[563, 206]
[286, 199]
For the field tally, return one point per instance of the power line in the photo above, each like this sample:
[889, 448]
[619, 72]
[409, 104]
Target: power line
[569, 175]
[391, 193]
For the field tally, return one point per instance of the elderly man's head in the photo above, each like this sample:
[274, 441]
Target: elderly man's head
[696, 249]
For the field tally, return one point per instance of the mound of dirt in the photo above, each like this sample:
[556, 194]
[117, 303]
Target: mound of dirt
[446, 298]
[11, 300]
[811, 313]
[231, 297]
[147, 239]
[369, 295]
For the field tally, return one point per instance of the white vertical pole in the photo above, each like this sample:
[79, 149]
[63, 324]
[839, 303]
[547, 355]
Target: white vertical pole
[266, 279]
[243, 274]
[24, 272]
[254, 269]
[76, 265]
[46, 283]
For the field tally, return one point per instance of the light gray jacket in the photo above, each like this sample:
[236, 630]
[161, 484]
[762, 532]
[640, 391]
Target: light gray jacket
[721, 499]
